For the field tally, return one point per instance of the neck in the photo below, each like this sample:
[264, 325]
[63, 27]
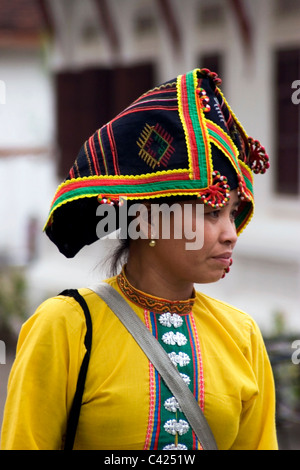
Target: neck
[150, 277]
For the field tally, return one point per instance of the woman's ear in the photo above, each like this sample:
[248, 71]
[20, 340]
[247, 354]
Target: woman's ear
[147, 224]
[142, 224]
[143, 219]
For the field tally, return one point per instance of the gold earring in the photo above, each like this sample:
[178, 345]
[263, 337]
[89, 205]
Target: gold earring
[152, 243]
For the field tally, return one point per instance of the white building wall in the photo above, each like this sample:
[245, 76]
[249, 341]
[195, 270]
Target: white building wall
[26, 139]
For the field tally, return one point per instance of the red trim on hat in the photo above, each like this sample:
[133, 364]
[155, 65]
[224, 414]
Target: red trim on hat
[113, 181]
[190, 134]
[113, 148]
[94, 155]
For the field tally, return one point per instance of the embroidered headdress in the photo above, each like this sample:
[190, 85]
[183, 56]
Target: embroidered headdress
[178, 139]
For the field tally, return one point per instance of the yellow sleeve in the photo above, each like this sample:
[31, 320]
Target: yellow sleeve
[44, 375]
[257, 425]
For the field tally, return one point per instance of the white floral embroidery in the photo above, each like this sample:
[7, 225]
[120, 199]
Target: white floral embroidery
[175, 447]
[181, 358]
[174, 338]
[186, 379]
[173, 427]
[168, 319]
[171, 404]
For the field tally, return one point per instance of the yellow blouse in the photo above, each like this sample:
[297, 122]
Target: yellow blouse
[218, 349]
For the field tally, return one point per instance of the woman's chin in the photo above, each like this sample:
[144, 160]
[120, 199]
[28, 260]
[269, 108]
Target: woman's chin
[210, 278]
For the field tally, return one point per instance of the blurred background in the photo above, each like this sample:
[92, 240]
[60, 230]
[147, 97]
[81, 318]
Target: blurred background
[68, 66]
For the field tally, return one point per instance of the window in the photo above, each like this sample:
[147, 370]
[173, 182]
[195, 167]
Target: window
[287, 121]
[210, 14]
[287, 7]
[87, 99]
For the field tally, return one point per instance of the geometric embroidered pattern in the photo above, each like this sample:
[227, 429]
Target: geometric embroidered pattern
[155, 145]
[175, 330]
[156, 304]
[168, 428]
[164, 144]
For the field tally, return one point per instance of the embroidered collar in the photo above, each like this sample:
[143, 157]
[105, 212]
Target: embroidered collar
[154, 304]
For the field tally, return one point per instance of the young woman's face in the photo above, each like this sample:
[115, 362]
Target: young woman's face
[205, 263]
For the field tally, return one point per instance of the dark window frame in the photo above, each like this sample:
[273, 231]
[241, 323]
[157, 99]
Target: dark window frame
[286, 122]
[87, 99]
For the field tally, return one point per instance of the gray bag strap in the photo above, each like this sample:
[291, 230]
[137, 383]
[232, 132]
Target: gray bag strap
[160, 361]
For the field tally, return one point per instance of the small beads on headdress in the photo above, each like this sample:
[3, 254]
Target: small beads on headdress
[111, 200]
[213, 75]
[242, 191]
[218, 194]
[204, 99]
[258, 159]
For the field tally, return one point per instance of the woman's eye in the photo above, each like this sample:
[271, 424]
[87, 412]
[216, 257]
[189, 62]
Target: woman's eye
[214, 214]
[234, 214]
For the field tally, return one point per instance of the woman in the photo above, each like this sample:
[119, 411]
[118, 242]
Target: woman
[178, 143]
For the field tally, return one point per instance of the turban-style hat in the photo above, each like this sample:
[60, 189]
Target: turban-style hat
[179, 139]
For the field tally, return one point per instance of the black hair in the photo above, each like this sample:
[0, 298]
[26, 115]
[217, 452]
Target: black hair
[119, 256]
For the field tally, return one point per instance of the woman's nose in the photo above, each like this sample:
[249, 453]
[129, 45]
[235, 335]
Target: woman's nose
[228, 233]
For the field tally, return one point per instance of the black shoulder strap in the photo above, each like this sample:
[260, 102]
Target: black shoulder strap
[76, 405]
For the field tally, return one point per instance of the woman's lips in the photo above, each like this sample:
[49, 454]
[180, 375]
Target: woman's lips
[223, 258]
